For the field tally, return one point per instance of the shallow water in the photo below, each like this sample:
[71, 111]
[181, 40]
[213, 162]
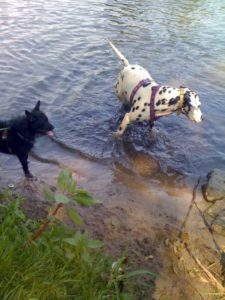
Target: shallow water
[57, 51]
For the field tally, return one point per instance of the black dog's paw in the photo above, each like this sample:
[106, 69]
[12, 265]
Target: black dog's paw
[29, 176]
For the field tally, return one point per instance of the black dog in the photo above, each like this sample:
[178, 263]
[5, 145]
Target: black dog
[17, 136]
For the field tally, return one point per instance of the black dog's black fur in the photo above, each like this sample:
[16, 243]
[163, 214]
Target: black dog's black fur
[17, 136]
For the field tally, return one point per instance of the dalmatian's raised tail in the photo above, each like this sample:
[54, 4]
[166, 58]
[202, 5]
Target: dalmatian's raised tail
[119, 54]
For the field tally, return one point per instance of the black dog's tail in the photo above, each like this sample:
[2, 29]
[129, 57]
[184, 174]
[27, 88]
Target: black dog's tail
[119, 54]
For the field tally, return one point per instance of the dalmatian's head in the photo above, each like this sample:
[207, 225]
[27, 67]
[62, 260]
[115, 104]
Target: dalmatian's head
[192, 107]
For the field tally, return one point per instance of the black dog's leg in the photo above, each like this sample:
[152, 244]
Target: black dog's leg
[23, 159]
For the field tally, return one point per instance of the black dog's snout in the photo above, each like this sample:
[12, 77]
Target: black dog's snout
[49, 127]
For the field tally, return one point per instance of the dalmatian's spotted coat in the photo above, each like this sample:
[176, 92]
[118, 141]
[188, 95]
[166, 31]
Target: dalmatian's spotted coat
[166, 99]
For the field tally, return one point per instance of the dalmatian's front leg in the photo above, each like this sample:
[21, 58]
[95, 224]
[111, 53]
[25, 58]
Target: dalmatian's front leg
[123, 125]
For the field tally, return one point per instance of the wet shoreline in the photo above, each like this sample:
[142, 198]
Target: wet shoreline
[135, 212]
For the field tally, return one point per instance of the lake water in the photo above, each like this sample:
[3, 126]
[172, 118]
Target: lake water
[57, 51]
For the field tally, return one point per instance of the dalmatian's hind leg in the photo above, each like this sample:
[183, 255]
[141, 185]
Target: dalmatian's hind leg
[123, 125]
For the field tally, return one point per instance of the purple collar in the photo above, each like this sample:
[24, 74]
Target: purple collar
[155, 90]
[141, 83]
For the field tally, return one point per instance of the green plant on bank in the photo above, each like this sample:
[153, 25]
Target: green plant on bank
[67, 192]
[60, 263]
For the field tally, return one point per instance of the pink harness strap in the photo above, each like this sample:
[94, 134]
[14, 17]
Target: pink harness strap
[155, 90]
[141, 83]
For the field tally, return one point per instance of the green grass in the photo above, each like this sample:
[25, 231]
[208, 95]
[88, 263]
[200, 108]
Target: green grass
[60, 264]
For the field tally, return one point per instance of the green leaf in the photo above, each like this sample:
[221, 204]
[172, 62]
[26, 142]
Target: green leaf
[52, 218]
[48, 194]
[66, 183]
[70, 255]
[94, 244]
[135, 273]
[20, 214]
[75, 240]
[63, 179]
[71, 186]
[61, 199]
[86, 257]
[84, 198]
[71, 241]
[75, 217]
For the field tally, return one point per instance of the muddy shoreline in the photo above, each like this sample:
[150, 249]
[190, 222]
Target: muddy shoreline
[151, 219]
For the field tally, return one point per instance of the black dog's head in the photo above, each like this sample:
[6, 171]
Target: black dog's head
[38, 121]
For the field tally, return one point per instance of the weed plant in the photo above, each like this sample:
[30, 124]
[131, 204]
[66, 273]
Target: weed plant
[61, 263]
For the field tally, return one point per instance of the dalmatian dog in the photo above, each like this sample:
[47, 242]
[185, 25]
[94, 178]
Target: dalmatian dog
[149, 101]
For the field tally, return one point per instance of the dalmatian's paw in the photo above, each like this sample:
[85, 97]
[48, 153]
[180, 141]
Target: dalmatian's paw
[117, 134]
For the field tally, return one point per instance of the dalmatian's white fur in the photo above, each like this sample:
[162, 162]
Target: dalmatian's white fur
[166, 99]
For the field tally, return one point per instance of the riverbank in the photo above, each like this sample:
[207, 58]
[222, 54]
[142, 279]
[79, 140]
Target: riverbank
[158, 222]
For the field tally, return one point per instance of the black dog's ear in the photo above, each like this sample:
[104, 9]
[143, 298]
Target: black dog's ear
[29, 115]
[37, 106]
